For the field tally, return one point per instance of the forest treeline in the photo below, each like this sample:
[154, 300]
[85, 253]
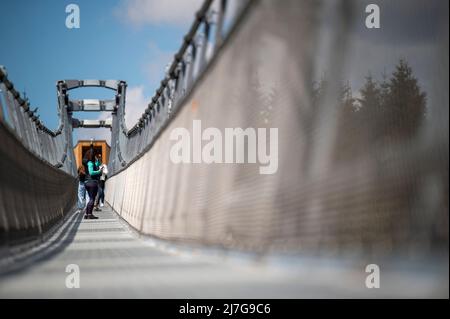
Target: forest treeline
[387, 111]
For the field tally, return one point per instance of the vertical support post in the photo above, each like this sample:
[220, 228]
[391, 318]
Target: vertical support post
[190, 77]
[219, 26]
[202, 62]
[1, 105]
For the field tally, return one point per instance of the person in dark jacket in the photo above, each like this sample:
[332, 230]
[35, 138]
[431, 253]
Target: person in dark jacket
[100, 201]
[97, 166]
[91, 181]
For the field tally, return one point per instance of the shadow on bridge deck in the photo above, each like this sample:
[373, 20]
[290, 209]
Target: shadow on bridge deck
[115, 263]
[20, 258]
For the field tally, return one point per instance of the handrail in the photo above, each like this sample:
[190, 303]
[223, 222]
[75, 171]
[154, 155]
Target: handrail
[197, 52]
[173, 71]
[51, 146]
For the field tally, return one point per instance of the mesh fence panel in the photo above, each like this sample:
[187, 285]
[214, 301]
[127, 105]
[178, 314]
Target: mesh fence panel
[350, 178]
[33, 195]
[37, 169]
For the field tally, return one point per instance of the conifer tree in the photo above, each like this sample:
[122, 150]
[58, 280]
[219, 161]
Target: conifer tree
[405, 103]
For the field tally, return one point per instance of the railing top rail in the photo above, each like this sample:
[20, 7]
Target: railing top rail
[200, 16]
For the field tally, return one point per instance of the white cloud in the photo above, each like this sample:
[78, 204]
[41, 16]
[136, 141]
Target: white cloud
[158, 12]
[157, 66]
[136, 103]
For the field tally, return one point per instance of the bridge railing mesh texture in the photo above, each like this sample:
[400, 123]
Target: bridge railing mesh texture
[362, 162]
[37, 176]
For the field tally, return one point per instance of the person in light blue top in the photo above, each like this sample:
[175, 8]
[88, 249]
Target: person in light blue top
[81, 188]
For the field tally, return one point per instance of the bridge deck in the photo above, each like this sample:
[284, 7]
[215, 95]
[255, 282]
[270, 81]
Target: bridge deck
[115, 262]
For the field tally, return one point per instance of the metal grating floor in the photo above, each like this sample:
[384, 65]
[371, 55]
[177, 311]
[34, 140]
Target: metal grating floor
[116, 263]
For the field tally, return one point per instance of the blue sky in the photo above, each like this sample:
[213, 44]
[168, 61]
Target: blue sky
[119, 39]
[134, 40]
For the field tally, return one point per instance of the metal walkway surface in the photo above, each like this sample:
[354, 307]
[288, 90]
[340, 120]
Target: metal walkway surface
[115, 263]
